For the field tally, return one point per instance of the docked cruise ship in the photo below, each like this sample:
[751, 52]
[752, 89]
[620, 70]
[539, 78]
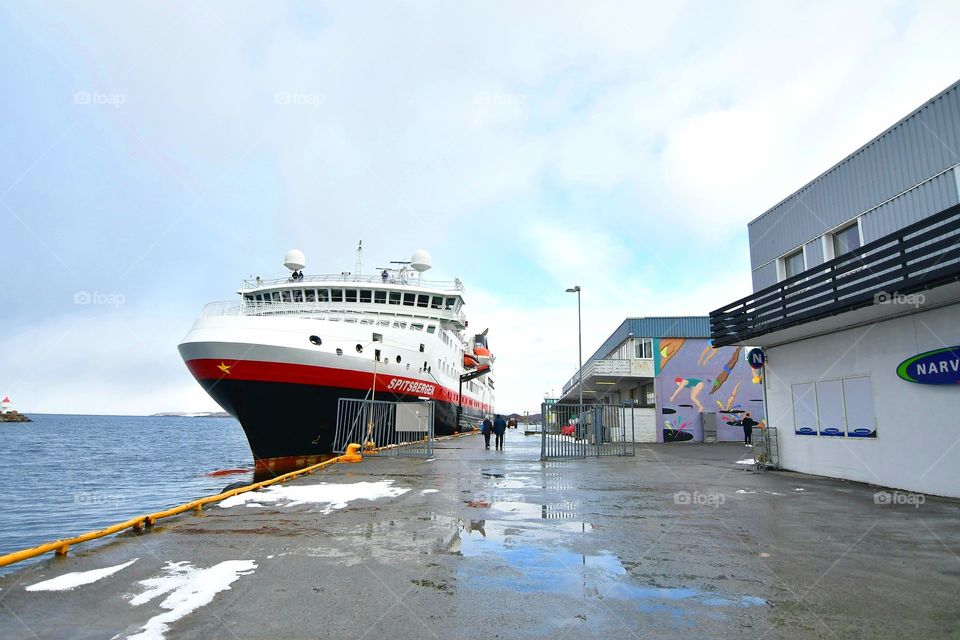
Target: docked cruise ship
[281, 357]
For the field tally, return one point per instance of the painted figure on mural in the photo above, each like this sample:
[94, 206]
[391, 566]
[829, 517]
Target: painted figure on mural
[694, 384]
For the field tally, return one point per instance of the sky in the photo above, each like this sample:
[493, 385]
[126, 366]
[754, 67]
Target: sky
[154, 154]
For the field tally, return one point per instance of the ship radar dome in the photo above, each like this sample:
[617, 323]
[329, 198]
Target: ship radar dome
[421, 260]
[294, 260]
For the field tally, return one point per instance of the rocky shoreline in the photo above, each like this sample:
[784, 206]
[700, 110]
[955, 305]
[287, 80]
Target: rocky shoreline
[14, 416]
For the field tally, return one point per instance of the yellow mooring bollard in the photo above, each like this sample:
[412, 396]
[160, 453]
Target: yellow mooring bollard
[352, 454]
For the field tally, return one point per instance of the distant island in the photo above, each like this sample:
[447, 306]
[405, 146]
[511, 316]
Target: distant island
[14, 416]
[189, 414]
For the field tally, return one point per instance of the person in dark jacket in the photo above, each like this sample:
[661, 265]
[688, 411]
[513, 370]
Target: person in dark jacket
[748, 424]
[486, 428]
[499, 428]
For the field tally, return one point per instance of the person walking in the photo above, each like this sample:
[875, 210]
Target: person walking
[748, 424]
[499, 428]
[486, 428]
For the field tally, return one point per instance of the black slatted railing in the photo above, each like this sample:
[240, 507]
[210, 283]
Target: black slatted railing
[920, 256]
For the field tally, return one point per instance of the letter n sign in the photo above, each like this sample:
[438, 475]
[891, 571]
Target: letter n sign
[756, 358]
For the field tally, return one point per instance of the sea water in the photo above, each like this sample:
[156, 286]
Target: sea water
[62, 475]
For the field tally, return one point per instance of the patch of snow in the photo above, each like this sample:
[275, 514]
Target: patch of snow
[774, 493]
[799, 489]
[335, 495]
[744, 491]
[425, 491]
[76, 579]
[747, 461]
[187, 589]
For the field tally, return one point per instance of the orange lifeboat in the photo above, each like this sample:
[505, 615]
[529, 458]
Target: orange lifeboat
[481, 351]
[469, 361]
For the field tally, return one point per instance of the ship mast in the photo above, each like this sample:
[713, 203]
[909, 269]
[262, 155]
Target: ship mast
[359, 258]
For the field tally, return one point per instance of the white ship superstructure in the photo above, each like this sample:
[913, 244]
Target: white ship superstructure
[280, 358]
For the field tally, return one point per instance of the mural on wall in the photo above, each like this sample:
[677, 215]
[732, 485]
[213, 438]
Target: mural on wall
[666, 348]
[695, 378]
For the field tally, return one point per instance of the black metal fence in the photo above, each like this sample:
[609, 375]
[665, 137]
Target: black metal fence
[579, 431]
[920, 256]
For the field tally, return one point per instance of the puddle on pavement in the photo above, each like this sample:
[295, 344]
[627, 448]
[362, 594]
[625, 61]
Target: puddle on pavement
[534, 562]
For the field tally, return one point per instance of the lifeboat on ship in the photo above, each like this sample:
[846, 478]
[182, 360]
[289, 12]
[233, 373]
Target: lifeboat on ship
[481, 351]
[469, 361]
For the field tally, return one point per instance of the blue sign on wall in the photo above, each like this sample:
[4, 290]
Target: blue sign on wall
[940, 366]
[756, 357]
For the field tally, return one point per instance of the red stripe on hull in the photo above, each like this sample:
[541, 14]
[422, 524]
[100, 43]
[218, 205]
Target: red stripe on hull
[261, 371]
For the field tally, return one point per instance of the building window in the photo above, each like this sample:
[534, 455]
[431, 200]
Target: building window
[845, 240]
[793, 264]
[644, 348]
[834, 408]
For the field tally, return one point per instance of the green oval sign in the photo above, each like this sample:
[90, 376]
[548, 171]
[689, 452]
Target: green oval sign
[940, 366]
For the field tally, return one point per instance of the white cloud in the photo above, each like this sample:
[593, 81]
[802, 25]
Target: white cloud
[456, 128]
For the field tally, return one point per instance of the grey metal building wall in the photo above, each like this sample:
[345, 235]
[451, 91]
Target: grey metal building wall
[901, 176]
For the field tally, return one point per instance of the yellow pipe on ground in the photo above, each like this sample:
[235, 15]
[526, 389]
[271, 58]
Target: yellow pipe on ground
[60, 547]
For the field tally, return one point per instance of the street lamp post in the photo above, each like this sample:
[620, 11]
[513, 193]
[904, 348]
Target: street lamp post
[576, 290]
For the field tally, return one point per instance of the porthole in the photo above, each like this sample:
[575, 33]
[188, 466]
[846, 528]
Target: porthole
[316, 340]
[398, 359]
[339, 352]
[359, 348]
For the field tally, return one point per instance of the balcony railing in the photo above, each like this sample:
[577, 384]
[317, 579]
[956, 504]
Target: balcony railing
[619, 368]
[921, 256]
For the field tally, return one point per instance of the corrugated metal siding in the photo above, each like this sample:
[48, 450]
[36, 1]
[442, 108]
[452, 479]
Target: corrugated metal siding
[936, 195]
[665, 327]
[921, 145]
[813, 252]
[765, 276]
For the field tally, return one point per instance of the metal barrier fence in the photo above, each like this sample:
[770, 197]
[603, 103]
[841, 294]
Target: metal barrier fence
[578, 431]
[385, 426]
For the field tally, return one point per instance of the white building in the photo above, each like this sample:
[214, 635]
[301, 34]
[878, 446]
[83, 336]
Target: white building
[856, 303]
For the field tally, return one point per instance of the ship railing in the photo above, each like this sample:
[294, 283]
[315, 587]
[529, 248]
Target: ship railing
[407, 279]
[325, 310]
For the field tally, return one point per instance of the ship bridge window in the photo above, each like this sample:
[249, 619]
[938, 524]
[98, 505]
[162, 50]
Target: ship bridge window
[436, 302]
[323, 295]
[399, 325]
[383, 323]
[310, 295]
[366, 295]
[416, 326]
[380, 297]
[408, 299]
[366, 321]
[394, 297]
[423, 301]
[351, 295]
[298, 295]
[432, 328]
[451, 303]
[336, 295]
[248, 296]
[286, 295]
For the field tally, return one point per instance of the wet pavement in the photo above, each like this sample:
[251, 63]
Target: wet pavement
[678, 542]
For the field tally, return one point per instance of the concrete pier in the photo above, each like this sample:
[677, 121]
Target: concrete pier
[679, 542]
